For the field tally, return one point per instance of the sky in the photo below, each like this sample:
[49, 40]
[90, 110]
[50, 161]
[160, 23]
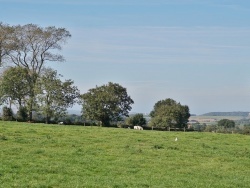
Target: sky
[196, 52]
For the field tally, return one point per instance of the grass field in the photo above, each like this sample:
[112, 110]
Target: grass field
[214, 119]
[37, 155]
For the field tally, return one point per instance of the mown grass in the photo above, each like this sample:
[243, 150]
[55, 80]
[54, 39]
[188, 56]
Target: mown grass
[37, 155]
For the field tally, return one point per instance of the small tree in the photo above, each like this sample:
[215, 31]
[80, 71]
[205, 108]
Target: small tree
[211, 128]
[136, 119]
[199, 127]
[246, 129]
[226, 123]
[169, 113]
[22, 114]
[7, 114]
[106, 103]
[54, 95]
[14, 85]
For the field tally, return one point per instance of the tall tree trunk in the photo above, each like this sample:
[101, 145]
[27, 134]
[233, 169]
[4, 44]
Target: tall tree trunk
[30, 111]
[30, 105]
[0, 56]
[47, 120]
[33, 79]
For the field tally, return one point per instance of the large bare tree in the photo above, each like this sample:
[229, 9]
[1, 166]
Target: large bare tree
[33, 46]
[6, 41]
[36, 45]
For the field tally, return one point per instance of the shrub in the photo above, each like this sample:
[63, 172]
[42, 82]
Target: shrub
[136, 119]
[199, 127]
[246, 129]
[211, 128]
[7, 114]
[22, 114]
[226, 123]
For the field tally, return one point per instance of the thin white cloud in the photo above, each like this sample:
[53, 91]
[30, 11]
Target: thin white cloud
[129, 2]
[161, 45]
[107, 2]
[231, 5]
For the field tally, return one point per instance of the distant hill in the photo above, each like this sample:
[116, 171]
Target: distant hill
[244, 114]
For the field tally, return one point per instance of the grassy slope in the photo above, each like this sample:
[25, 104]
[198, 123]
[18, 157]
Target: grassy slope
[34, 155]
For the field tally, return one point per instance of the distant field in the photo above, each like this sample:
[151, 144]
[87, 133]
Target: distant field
[37, 155]
[214, 119]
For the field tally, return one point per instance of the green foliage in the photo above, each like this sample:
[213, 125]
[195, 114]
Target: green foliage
[55, 96]
[211, 128]
[199, 127]
[30, 47]
[14, 85]
[106, 103]
[226, 123]
[246, 129]
[77, 156]
[136, 119]
[22, 114]
[169, 113]
[7, 114]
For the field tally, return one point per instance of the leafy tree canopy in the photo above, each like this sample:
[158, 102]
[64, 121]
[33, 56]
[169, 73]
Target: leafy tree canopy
[106, 103]
[14, 85]
[226, 123]
[169, 113]
[55, 96]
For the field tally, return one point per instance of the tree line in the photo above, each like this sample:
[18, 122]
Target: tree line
[243, 114]
[34, 88]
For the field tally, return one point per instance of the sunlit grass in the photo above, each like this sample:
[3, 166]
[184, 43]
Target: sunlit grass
[37, 155]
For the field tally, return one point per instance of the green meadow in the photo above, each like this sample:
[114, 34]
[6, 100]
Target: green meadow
[38, 155]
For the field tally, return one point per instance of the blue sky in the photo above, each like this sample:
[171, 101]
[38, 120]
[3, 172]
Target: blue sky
[196, 52]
